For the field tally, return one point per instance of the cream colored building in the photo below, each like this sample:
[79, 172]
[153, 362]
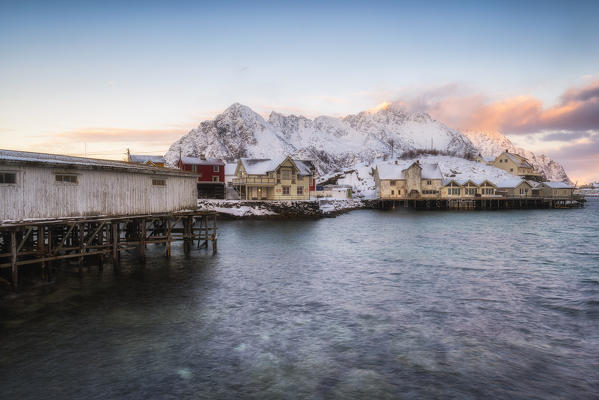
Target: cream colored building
[266, 179]
[516, 165]
[555, 189]
[403, 180]
[515, 187]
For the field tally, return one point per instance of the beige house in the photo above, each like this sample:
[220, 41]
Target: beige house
[555, 189]
[266, 179]
[516, 165]
[403, 180]
[515, 187]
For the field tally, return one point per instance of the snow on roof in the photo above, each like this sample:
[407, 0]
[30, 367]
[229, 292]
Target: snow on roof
[519, 160]
[230, 168]
[393, 171]
[25, 157]
[431, 171]
[138, 158]
[557, 185]
[200, 161]
[261, 166]
[506, 183]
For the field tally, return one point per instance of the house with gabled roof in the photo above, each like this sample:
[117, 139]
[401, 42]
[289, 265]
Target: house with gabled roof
[267, 179]
[516, 165]
[514, 187]
[555, 189]
[407, 179]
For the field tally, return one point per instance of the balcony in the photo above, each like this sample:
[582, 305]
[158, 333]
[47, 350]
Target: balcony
[255, 180]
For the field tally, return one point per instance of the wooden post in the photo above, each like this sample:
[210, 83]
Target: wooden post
[214, 234]
[186, 235]
[81, 245]
[142, 240]
[115, 244]
[41, 245]
[168, 238]
[13, 253]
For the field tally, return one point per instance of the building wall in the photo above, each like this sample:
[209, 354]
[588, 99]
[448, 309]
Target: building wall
[275, 192]
[37, 194]
[205, 173]
[413, 176]
[506, 163]
[550, 192]
[398, 189]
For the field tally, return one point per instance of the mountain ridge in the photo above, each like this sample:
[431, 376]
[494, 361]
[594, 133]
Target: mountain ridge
[334, 143]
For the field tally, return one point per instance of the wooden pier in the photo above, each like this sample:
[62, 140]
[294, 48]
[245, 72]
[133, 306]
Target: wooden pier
[46, 242]
[484, 203]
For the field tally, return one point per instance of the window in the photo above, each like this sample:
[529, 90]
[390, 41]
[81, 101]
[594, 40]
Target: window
[66, 178]
[392, 183]
[286, 174]
[194, 168]
[398, 192]
[487, 191]
[159, 182]
[392, 192]
[215, 168]
[453, 191]
[8, 177]
[300, 190]
[511, 170]
[215, 179]
[429, 182]
[286, 190]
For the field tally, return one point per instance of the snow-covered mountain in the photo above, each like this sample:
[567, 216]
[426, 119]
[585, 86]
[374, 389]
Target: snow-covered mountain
[330, 142]
[491, 143]
[337, 143]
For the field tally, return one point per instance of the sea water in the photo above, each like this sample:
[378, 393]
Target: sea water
[371, 304]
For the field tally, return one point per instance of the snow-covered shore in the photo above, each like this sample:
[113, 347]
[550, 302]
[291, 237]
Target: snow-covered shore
[253, 209]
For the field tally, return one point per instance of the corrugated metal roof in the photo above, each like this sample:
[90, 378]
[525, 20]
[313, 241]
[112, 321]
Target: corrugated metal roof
[57, 160]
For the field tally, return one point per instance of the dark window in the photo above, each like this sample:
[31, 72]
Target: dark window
[8, 177]
[300, 190]
[67, 178]
[286, 190]
[159, 182]
[215, 168]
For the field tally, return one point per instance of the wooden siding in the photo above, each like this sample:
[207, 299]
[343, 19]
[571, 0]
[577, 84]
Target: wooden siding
[37, 194]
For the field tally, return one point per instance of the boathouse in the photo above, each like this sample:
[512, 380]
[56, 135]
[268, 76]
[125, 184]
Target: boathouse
[266, 179]
[40, 185]
[555, 189]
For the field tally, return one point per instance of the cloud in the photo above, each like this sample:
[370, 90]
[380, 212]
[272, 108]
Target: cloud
[577, 110]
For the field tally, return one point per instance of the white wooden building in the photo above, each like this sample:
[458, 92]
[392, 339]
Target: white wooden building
[39, 185]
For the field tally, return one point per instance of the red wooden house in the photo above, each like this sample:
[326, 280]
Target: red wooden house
[211, 175]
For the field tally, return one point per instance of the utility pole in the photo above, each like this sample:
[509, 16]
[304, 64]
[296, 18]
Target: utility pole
[128, 155]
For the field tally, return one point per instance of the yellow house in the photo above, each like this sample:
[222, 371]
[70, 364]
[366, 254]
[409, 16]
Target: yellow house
[152, 161]
[266, 179]
[555, 189]
[408, 179]
[452, 189]
[516, 165]
[515, 187]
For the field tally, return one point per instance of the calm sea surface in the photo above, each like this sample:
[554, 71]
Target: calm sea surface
[372, 304]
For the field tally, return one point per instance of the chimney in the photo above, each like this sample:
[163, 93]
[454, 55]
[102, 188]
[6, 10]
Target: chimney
[395, 162]
[202, 156]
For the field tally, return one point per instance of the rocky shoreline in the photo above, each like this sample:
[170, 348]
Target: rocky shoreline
[257, 209]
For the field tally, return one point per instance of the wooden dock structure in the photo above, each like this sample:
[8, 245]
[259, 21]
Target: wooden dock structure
[45, 242]
[484, 203]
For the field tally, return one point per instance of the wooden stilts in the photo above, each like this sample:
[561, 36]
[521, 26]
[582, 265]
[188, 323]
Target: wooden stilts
[115, 244]
[13, 260]
[142, 240]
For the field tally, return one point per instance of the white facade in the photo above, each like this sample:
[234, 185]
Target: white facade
[47, 187]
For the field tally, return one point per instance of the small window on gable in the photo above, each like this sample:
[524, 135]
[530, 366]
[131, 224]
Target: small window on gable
[159, 182]
[8, 178]
[66, 178]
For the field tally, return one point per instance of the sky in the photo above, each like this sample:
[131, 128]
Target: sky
[96, 78]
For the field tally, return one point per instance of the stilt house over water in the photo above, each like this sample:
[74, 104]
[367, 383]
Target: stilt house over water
[39, 186]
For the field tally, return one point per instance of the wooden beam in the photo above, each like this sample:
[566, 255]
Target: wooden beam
[13, 260]
[29, 230]
[64, 239]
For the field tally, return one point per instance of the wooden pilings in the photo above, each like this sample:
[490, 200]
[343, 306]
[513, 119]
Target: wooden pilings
[88, 238]
[480, 203]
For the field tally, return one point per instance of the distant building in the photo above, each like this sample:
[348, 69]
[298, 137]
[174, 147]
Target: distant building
[484, 160]
[210, 174]
[152, 161]
[335, 191]
[230, 172]
[516, 165]
[266, 179]
[403, 180]
[515, 187]
[40, 185]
